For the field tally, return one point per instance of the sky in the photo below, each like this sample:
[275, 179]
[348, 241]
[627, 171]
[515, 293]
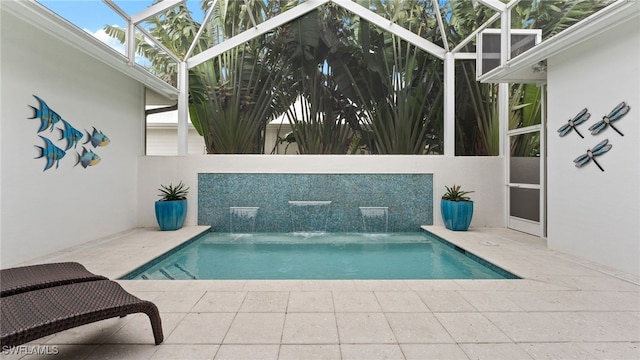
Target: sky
[92, 15]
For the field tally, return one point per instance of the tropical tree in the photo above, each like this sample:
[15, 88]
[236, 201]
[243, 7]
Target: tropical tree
[396, 86]
[231, 96]
[318, 111]
[234, 95]
[233, 101]
[362, 88]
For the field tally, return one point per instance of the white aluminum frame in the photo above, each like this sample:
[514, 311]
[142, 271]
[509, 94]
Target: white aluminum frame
[479, 53]
[516, 223]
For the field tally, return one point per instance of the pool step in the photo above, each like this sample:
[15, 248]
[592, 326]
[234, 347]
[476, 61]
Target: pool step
[186, 272]
[171, 272]
[155, 275]
[166, 274]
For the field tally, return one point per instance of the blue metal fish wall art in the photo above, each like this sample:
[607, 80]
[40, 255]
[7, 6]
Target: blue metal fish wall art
[87, 158]
[48, 117]
[52, 153]
[68, 134]
[97, 138]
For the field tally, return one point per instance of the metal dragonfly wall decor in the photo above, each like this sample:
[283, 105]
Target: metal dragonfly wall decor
[616, 114]
[607, 121]
[591, 154]
[572, 123]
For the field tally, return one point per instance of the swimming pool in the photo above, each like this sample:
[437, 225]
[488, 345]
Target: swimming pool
[418, 255]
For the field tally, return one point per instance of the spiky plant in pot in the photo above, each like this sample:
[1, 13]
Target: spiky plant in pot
[455, 193]
[456, 208]
[171, 209]
[171, 193]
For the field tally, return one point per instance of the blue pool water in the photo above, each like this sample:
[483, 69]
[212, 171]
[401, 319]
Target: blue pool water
[318, 256]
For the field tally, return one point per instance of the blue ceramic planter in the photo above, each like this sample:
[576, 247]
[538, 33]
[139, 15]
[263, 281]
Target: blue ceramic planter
[456, 214]
[171, 214]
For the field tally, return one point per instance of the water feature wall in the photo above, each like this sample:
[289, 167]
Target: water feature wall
[482, 174]
[316, 202]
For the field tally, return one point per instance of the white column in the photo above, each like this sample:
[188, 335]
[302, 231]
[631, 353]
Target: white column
[503, 90]
[503, 117]
[449, 105]
[183, 108]
[130, 42]
[543, 160]
[505, 38]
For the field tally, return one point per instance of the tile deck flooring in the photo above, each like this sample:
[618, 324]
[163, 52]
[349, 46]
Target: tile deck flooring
[562, 308]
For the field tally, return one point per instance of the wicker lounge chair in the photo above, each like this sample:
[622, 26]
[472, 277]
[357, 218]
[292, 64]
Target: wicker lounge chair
[34, 314]
[33, 277]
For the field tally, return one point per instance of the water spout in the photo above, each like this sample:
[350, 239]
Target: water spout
[375, 219]
[309, 216]
[242, 219]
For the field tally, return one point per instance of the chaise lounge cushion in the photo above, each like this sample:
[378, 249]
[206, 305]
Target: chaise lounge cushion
[26, 278]
[34, 314]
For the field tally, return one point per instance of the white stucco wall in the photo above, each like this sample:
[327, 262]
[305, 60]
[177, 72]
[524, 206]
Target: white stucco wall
[45, 211]
[592, 214]
[484, 175]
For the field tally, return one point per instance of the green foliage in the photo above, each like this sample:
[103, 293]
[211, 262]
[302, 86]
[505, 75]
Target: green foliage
[232, 100]
[397, 86]
[172, 193]
[525, 105]
[234, 96]
[362, 89]
[455, 193]
[321, 117]
[554, 16]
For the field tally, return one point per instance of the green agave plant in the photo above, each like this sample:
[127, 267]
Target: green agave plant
[455, 193]
[172, 193]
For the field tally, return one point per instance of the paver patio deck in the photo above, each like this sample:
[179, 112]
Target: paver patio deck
[562, 308]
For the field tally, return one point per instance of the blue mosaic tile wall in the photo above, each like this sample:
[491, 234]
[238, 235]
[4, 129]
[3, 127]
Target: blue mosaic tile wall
[409, 198]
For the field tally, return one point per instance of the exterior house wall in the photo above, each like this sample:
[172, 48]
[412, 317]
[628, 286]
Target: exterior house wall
[46, 211]
[163, 140]
[593, 214]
